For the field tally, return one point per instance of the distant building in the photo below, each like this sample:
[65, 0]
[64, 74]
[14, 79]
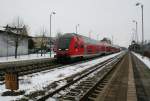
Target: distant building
[43, 41]
[106, 40]
[7, 44]
[147, 47]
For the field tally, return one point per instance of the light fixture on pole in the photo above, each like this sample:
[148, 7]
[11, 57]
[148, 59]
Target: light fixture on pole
[97, 37]
[112, 39]
[77, 28]
[140, 4]
[134, 21]
[52, 13]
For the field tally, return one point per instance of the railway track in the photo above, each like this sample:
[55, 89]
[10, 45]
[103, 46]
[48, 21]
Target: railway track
[26, 67]
[80, 85]
[33, 66]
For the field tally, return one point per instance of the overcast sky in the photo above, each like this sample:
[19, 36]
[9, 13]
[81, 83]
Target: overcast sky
[104, 17]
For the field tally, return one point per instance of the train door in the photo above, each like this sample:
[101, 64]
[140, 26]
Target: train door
[80, 46]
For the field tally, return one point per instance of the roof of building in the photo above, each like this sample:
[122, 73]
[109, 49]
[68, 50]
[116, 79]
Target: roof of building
[11, 33]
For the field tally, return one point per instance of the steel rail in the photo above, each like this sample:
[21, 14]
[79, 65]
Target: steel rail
[96, 67]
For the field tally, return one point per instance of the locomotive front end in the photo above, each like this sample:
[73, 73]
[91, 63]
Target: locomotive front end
[63, 44]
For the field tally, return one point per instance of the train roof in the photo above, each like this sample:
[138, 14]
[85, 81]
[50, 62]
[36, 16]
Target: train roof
[86, 39]
[68, 35]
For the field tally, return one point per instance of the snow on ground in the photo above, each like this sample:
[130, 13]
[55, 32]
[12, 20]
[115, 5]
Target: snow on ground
[25, 57]
[146, 60]
[37, 81]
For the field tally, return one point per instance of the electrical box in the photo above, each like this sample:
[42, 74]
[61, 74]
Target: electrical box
[11, 81]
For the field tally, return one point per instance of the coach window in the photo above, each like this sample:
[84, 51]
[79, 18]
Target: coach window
[77, 39]
[81, 46]
[63, 43]
[76, 45]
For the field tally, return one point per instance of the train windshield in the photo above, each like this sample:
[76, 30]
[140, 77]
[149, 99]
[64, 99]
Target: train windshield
[63, 43]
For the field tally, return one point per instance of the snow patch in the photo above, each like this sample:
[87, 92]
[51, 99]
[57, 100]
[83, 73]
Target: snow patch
[146, 60]
[25, 57]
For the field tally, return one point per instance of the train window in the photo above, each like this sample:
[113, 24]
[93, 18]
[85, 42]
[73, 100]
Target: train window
[76, 45]
[82, 46]
[63, 43]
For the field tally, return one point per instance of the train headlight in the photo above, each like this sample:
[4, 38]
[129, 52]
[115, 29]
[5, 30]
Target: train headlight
[66, 49]
[76, 50]
[59, 49]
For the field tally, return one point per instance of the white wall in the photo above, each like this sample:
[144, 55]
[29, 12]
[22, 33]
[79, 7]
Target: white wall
[9, 49]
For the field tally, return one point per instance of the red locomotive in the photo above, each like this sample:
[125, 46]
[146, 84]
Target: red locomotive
[71, 45]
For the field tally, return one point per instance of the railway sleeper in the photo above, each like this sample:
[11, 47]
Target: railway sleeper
[79, 87]
[74, 90]
[86, 88]
[100, 86]
[86, 84]
[88, 81]
[103, 84]
[91, 99]
[96, 91]
[69, 97]
[93, 95]
[106, 80]
[72, 93]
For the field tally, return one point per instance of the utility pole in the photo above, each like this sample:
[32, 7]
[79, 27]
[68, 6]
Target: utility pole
[139, 4]
[52, 13]
[136, 31]
[97, 37]
[90, 34]
[112, 39]
[77, 28]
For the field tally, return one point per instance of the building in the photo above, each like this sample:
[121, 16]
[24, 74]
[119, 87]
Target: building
[8, 42]
[40, 41]
[147, 47]
[106, 40]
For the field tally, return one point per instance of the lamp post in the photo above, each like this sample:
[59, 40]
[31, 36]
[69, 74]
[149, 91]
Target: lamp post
[134, 21]
[112, 40]
[97, 37]
[139, 4]
[77, 28]
[52, 13]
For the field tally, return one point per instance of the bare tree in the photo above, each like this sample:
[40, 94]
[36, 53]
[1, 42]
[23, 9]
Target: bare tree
[58, 34]
[20, 30]
[107, 40]
[42, 40]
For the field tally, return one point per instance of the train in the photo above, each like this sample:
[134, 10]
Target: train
[71, 45]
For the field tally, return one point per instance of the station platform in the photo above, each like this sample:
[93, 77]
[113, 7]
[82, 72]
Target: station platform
[131, 82]
[24, 57]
